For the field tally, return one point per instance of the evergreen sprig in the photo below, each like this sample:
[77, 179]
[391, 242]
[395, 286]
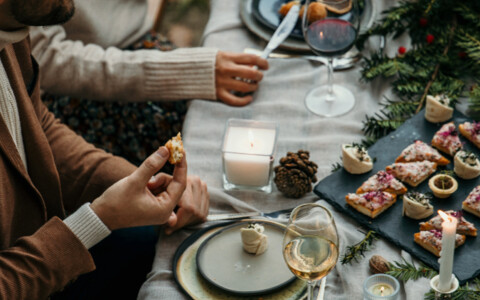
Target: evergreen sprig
[406, 271]
[470, 292]
[447, 63]
[354, 252]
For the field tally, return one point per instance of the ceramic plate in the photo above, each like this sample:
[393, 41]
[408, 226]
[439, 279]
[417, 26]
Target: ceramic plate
[195, 286]
[266, 12]
[224, 263]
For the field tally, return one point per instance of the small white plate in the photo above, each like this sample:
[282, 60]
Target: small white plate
[222, 261]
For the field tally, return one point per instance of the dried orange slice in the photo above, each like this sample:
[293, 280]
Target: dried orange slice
[340, 7]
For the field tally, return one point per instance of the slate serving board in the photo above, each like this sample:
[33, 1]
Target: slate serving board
[391, 224]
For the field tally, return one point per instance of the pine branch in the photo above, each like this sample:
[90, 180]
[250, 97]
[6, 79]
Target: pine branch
[407, 271]
[475, 99]
[358, 250]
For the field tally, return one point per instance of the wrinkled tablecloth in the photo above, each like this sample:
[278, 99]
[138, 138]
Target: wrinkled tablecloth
[280, 98]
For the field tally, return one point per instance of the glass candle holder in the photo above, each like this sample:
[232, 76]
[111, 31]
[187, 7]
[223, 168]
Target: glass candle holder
[381, 287]
[248, 153]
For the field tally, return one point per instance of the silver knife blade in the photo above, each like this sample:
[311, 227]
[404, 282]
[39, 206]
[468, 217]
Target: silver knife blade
[283, 30]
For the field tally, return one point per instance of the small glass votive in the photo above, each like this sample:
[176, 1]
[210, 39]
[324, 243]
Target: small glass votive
[381, 287]
[248, 153]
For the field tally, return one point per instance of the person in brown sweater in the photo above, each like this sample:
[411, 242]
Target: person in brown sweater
[48, 172]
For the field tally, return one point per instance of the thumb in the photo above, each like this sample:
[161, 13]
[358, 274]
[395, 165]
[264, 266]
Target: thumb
[151, 166]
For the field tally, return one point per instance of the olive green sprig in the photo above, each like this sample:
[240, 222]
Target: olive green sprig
[357, 251]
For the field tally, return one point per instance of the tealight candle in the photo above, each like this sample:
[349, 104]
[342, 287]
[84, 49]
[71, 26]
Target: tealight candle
[381, 287]
[248, 154]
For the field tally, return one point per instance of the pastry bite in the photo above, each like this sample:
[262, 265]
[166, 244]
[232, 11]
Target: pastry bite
[355, 159]
[283, 11]
[463, 226]
[438, 109]
[446, 139]
[175, 147]
[316, 12]
[466, 164]
[412, 173]
[416, 205]
[254, 241]
[382, 181]
[432, 240]
[471, 131]
[472, 203]
[371, 204]
[419, 151]
[443, 185]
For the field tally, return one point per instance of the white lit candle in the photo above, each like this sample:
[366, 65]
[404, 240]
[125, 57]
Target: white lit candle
[449, 230]
[381, 289]
[248, 155]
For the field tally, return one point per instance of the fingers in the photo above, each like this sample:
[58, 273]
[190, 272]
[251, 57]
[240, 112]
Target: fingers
[150, 166]
[228, 98]
[232, 84]
[177, 186]
[159, 182]
[249, 59]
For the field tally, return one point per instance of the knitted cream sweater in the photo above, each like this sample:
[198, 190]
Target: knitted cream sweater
[83, 57]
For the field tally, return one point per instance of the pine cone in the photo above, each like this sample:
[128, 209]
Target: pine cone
[295, 174]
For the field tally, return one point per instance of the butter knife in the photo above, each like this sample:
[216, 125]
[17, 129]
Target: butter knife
[283, 30]
[280, 214]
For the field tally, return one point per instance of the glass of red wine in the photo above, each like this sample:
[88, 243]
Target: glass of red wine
[330, 29]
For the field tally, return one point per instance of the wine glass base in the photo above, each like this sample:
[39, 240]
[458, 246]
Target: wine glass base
[317, 102]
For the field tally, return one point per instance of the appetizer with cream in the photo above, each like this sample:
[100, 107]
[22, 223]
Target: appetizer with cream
[417, 205]
[438, 109]
[253, 239]
[466, 165]
[356, 159]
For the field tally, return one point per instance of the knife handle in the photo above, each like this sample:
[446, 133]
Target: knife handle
[233, 216]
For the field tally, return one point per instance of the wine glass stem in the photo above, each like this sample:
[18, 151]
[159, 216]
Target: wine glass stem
[310, 286]
[330, 95]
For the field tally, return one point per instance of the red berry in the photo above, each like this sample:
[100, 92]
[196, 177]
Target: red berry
[402, 50]
[462, 54]
[423, 22]
[430, 38]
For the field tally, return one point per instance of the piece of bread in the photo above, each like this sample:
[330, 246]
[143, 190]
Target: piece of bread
[382, 181]
[432, 240]
[355, 159]
[372, 203]
[446, 139]
[471, 131]
[419, 151]
[463, 226]
[438, 109]
[472, 203]
[466, 165]
[412, 173]
[175, 147]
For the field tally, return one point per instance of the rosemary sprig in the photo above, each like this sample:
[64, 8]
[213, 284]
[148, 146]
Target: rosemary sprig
[406, 271]
[358, 250]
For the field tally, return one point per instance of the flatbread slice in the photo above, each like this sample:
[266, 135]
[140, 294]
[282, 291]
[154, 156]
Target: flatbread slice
[446, 139]
[420, 151]
[463, 226]
[471, 131]
[432, 240]
[372, 203]
[472, 202]
[412, 173]
[382, 181]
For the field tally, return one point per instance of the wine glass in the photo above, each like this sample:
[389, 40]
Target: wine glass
[310, 243]
[330, 28]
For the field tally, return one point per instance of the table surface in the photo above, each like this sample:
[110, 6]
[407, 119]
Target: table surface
[280, 98]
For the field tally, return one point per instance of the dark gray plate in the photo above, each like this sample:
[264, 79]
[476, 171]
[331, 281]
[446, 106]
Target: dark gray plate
[391, 224]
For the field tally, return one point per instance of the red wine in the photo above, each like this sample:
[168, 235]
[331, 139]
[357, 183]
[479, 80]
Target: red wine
[331, 37]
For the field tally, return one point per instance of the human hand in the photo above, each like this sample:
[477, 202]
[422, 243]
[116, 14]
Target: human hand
[235, 72]
[192, 207]
[129, 202]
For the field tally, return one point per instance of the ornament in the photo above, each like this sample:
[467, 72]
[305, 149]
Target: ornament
[402, 50]
[295, 174]
[423, 22]
[430, 38]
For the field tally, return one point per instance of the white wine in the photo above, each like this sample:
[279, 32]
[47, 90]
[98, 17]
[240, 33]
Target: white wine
[310, 257]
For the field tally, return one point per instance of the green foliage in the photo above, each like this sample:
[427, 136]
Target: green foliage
[449, 65]
[406, 271]
[358, 250]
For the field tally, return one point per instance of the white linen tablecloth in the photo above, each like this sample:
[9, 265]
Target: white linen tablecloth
[280, 98]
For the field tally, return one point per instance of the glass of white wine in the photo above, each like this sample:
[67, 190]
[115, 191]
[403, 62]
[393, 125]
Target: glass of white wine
[310, 243]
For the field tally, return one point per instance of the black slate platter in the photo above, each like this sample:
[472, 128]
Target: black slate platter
[391, 224]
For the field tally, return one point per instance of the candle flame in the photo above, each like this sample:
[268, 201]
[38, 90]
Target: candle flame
[321, 34]
[381, 291]
[444, 216]
[250, 137]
